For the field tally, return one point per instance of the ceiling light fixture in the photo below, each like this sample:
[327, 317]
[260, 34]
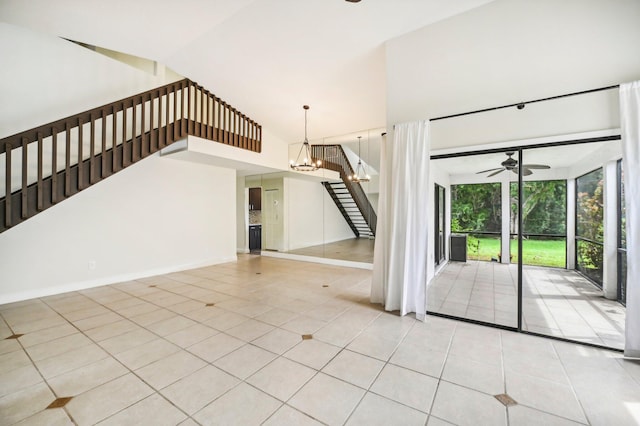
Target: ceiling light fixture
[305, 152]
[360, 174]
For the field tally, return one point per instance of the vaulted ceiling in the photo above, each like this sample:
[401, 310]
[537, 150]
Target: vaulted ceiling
[265, 57]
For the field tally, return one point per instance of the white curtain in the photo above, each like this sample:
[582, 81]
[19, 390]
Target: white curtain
[630, 126]
[402, 233]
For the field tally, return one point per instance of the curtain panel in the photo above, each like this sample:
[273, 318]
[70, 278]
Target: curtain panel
[630, 127]
[401, 250]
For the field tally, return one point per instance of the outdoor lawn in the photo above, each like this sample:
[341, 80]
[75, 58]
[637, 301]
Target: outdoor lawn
[536, 252]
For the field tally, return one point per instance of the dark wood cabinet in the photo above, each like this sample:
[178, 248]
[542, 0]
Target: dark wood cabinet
[255, 198]
[255, 238]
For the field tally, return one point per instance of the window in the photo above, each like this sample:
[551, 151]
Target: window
[544, 212]
[440, 224]
[590, 225]
[622, 238]
[476, 210]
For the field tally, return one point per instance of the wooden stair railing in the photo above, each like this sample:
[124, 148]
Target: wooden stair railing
[49, 163]
[334, 158]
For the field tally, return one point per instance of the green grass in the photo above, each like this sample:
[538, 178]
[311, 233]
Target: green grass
[536, 252]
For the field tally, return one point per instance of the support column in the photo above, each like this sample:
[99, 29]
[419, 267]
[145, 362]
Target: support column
[610, 237]
[506, 221]
[571, 224]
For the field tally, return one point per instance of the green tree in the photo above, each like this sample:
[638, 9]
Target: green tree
[476, 207]
[544, 208]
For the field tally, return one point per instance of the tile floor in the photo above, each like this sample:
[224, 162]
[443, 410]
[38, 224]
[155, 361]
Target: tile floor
[353, 249]
[556, 302]
[223, 345]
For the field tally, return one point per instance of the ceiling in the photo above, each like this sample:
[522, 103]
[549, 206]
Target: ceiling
[265, 57]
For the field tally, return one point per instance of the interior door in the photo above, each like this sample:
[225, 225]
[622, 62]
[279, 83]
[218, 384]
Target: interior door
[272, 220]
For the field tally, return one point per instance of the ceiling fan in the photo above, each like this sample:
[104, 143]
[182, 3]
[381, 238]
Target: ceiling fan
[512, 164]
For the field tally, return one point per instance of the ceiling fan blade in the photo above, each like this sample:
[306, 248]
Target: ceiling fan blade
[536, 166]
[490, 170]
[495, 173]
[525, 171]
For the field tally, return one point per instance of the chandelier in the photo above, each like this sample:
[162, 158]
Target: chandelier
[360, 174]
[305, 152]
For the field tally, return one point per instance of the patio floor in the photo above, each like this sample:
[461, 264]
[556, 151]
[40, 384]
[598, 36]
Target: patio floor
[556, 302]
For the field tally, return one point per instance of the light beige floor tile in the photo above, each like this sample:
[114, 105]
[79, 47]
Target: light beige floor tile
[406, 387]
[415, 358]
[373, 345]
[338, 333]
[12, 360]
[224, 320]
[146, 353]
[25, 403]
[287, 416]
[215, 347]
[58, 346]
[376, 410]
[145, 320]
[18, 379]
[245, 361]
[47, 334]
[327, 399]
[276, 317]
[249, 330]
[10, 345]
[119, 305]
[191, 335]
[51, 417]
[198, 389]
[187, 306]
[233, 407]
[29, 326]
[544, 395]
[282, 378]
[126, 341]
[170, 369]
[435, 421]
[171, 325]
[97, 321]
[519, 415]
[107, 331]
[475, 375]
[68, 361]
[278, 341]
[312, 353]
[303, 325]
[153, 410]
[88, 377]
[463, 406]
[136, 309]
[477, 351]
[107, 399]
[354, 368]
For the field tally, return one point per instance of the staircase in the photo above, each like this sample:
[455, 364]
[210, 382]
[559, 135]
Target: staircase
[349, 209]
[349, 196]
[45, 165]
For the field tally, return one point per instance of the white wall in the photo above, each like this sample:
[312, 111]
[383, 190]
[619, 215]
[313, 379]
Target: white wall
[45, 78]
[510, 51]
[157, 216]
[312, 216]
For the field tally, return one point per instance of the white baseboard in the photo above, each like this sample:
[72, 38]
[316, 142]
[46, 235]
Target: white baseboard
[83, 285]
[322, 260]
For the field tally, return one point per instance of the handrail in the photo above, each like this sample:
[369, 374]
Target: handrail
[75, 152]
[340, 164]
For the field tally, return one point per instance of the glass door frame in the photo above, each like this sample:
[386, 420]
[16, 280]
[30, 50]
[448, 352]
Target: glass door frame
[519, 151]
